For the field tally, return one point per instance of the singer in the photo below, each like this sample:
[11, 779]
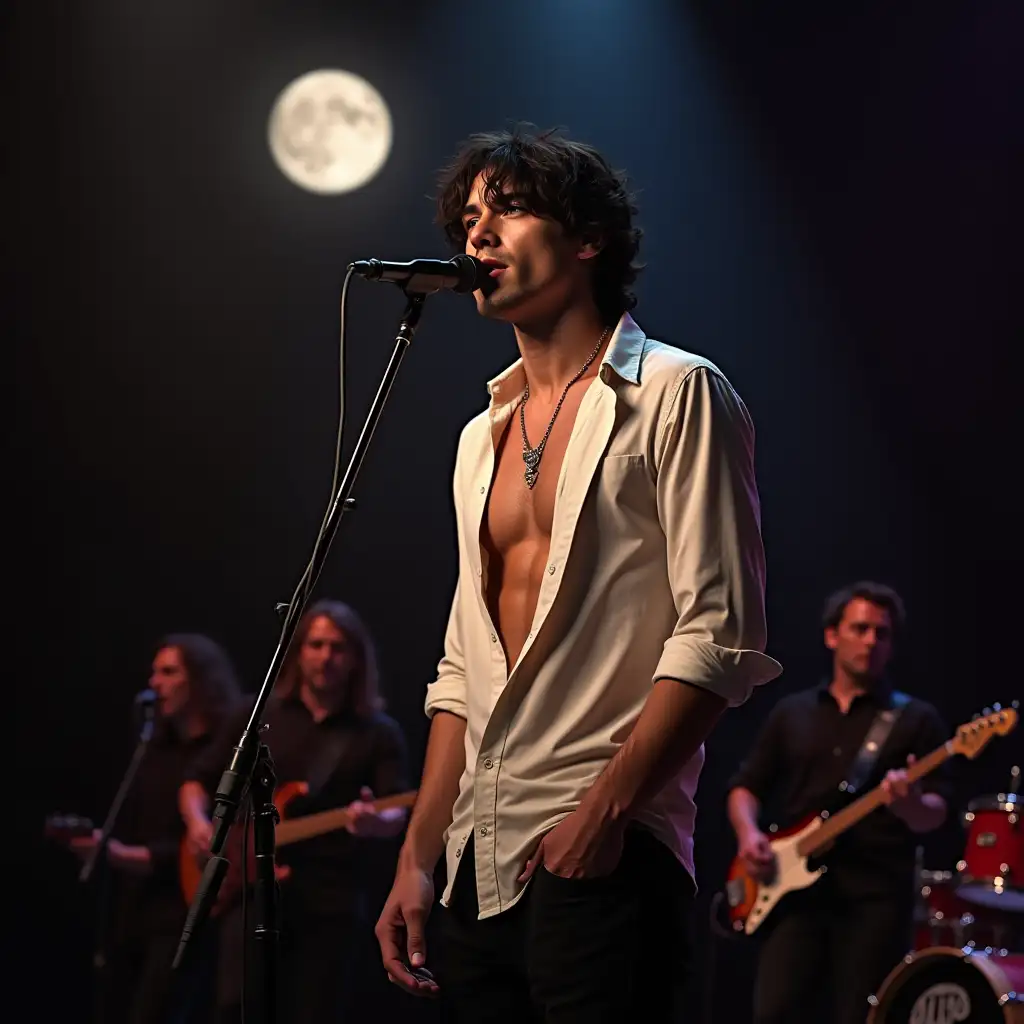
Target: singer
[609, 607]
[196, 688]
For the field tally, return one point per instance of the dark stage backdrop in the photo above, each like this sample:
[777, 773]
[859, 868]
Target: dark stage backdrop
[830, 200]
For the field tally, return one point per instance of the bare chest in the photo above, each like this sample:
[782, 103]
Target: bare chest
[515, 511]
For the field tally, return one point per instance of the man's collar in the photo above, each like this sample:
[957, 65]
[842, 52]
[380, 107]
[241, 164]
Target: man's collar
[880, 694]
[623, 355]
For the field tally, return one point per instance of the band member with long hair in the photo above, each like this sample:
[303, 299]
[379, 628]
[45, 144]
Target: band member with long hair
[328, 731]
[196, 689]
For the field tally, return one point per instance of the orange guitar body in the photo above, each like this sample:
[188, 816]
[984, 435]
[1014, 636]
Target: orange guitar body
[190, 868]
[742, 889]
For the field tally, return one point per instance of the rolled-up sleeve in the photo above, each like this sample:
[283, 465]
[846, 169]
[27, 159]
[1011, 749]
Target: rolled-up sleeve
[448, 691]
[709, 511]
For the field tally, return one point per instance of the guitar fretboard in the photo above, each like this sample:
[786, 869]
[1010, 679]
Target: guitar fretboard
[836, 824]
[319, 824]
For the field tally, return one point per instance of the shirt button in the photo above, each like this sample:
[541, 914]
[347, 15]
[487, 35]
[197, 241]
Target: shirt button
[488, 763]
[483, 490]
[458, 854]
[494, 639]
[479, 572]
[551, 569]
[483, 830]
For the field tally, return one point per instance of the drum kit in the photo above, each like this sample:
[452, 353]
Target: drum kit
[967, 963]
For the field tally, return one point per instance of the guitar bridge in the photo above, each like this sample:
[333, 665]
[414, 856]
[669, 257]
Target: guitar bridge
[735, 891]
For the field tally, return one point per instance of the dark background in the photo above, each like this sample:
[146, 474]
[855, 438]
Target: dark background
[830, 201]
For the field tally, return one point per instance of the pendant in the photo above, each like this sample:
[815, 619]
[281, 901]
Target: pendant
[531, 456]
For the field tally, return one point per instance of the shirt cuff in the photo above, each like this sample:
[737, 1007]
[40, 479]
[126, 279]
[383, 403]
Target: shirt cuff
[730, 673]
[446, 695]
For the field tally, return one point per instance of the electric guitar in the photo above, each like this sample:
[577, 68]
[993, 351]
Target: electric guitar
[290, 830]
[65, 827]
[751, 901]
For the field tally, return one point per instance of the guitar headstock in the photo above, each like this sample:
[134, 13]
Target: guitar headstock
[65, 827]
[972, 736]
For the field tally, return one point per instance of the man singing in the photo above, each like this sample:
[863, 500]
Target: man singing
[609, 607]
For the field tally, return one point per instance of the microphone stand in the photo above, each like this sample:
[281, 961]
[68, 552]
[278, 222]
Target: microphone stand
[251, 766]
[99, 960]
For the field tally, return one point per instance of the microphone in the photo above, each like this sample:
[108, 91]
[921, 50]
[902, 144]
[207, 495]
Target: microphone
[463, 273]
[145, 698]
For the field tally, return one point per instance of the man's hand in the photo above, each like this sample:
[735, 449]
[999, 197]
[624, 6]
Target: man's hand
[120, 856]
[83, 846]
[584, 844]
[898, 791]
[199, 833]
[400, 930]
[369, 823]
[756, 853]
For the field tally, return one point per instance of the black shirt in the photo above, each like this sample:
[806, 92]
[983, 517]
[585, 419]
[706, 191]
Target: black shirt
[153, 903]
[344, 753]
[805, 751]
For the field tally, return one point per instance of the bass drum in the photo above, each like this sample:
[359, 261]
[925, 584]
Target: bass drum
[943, 985]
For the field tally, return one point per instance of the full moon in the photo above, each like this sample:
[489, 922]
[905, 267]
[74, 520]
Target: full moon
[330, 131]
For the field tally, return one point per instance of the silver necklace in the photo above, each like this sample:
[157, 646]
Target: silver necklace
[531, 456]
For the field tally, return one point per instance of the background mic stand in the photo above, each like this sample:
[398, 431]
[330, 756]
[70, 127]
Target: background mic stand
[145, 735]
[99, 955]
[240, 773]
[265, 892]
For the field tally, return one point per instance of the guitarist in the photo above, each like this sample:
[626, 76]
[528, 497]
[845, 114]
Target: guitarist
[195, 688]
[849, 928]
[327, 730]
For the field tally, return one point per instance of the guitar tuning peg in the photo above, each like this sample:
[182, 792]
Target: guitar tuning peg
[987, 712]
[997, 707]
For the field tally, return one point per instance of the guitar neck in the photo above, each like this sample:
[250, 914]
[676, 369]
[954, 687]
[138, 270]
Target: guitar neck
[311, 825]
[838, 823]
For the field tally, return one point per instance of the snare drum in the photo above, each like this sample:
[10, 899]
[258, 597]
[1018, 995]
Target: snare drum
[992, 871]
[948, 986]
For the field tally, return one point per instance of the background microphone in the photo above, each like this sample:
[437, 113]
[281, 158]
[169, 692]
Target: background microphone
[464, 273]
[144, 698]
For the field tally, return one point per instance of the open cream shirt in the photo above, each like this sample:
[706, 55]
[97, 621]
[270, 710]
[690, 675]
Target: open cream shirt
[655, 570]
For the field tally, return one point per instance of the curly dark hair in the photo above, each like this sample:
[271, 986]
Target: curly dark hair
[212, 679]
[569, 182]
[867, 590]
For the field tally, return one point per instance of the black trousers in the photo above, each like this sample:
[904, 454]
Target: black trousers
[823, 956]
[572, 951]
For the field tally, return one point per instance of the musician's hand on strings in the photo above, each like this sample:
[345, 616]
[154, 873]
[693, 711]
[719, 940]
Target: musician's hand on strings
[366, 821]
[897, 788]
[756, 853]
[83, 846]
[199, 833]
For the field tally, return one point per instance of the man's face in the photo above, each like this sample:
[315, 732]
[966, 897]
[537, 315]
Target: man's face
[327, 657]
[862, 642]
[169, 681]
[539, 270]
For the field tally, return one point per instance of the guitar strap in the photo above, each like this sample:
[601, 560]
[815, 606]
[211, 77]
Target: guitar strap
[873, 743]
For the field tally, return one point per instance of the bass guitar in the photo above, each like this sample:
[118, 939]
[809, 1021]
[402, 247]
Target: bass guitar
[290, 830]
[751, 900]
